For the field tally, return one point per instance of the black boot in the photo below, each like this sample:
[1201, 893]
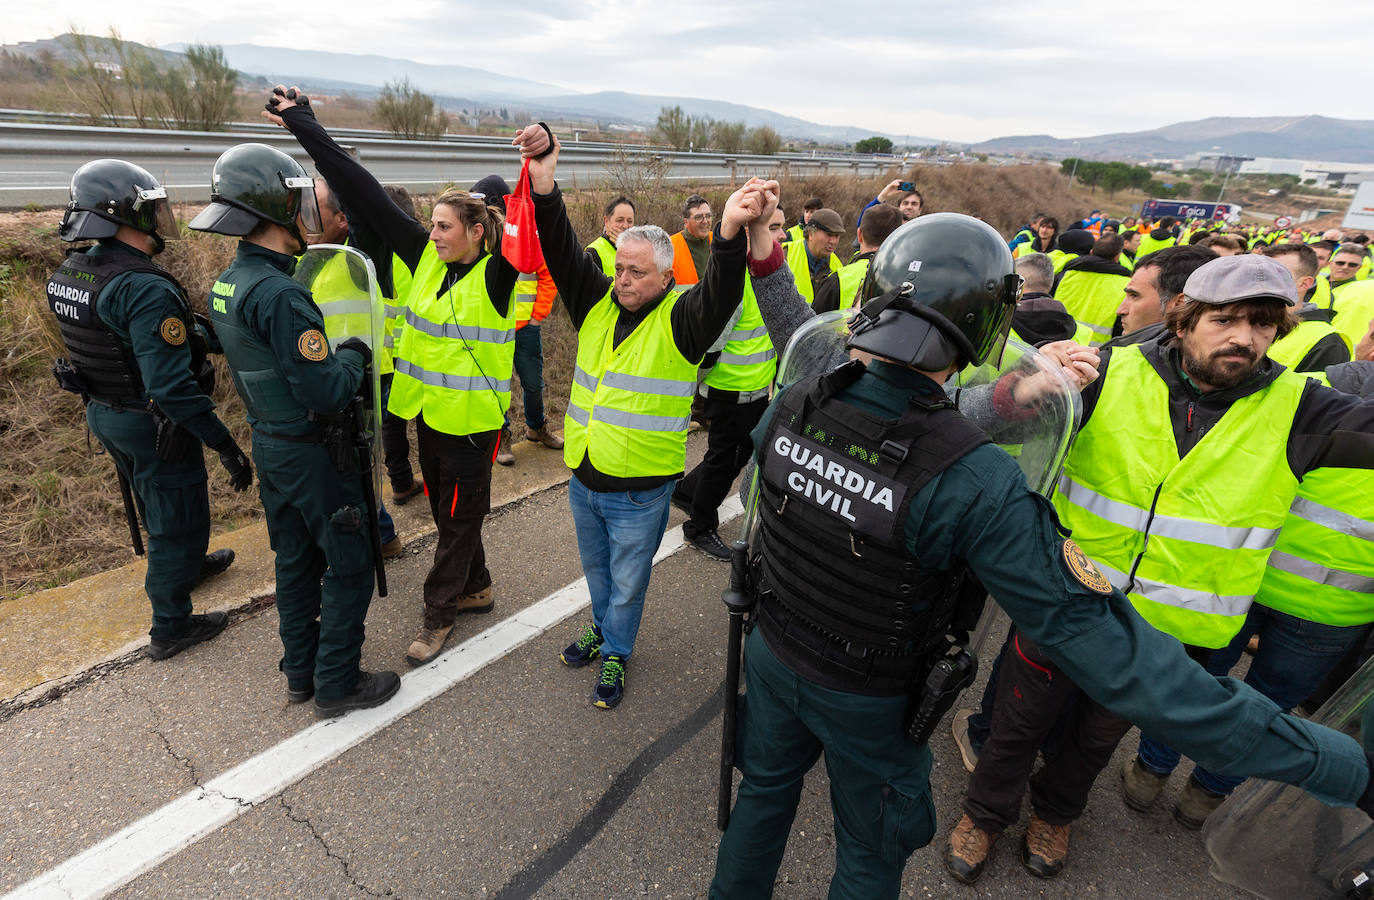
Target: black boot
[372, 689]
[198, 628]
[214, 564]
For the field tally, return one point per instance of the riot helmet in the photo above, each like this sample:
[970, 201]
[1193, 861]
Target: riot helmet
[108, 193]
[941, 289]
[254, 183]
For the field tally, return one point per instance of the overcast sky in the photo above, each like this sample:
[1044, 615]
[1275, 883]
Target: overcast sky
[958, 71]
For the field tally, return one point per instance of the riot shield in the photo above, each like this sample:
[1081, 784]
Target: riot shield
[1278, 841]
[343, 282]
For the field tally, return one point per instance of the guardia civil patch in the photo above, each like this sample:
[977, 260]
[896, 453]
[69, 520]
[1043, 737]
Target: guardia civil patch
[312, 346]
[173, 331]
[1084, 570]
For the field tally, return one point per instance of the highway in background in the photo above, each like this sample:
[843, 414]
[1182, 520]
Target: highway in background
[37, 159]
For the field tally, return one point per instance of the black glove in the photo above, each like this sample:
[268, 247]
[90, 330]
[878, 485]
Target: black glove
[360, 347]
[235, 462]
[290, 93]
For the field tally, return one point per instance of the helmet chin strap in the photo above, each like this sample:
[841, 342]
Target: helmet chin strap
[868, 314]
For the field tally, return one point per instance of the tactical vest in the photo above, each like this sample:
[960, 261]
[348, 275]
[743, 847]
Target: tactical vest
[1185, 539]
[748, 361]
[104, 362]
[1092, 298]
[1322, 568]
[253, 365]
[605, 251]
[1293, 347]
[839, 596]
[851, 279]
[799, 261]
[630, 403]
[455, 352]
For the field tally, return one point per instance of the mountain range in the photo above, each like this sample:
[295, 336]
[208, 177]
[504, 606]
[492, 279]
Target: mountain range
[465, 87]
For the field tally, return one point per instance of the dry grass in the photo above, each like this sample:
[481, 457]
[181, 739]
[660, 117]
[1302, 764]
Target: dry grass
[60, 513]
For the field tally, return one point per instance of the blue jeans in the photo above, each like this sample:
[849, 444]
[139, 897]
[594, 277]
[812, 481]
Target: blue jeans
[617, 536]
[1294, 656]
[529, 368]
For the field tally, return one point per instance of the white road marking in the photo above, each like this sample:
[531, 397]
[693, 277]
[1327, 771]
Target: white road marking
[162, 834]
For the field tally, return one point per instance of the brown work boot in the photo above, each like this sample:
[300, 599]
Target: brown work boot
[1140, 787]
[959, 728]
[427, 644]
[405, 495]
[970, 849]
[1044, 848]
[480, 602]
[1195, 804]
[394, 548]
[542, 435]
[503, 454]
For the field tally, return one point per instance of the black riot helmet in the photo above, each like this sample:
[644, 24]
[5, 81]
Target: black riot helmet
[254, 183]
[108, 193]
[941, 288]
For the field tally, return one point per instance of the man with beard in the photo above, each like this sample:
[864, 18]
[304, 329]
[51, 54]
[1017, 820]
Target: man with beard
[1181, 476]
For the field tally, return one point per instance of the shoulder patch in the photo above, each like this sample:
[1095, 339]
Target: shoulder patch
[312, 346]
[173, 331]
[1084, 570]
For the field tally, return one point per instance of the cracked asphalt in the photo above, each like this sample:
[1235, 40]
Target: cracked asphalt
[509, 785]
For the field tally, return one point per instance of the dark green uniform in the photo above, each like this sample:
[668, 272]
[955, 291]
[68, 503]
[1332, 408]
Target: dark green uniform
[980, 511]
[273, 338]
[146, 313]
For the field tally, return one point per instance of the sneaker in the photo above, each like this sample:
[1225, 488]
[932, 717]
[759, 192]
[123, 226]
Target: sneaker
[480, 602]
[1044, 847]
[542, 435]
[1195, 804]
[394, 548]
[961, 739]
[402, 496]
[1140, 787]
[428, 644]
[214, 564]
[372, 689]
[199, 628]
[970, 850]
[709, 542]
[611, 688]
[503, 454]
[584, 649]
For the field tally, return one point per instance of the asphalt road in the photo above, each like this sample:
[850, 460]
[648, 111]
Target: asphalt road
[508, 785]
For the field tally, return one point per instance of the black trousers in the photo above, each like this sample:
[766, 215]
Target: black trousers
[728, 447]
[457, 473]
[395, 443]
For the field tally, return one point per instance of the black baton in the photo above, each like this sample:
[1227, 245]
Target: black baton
[739, 602]
[363, 439]
[130, 512]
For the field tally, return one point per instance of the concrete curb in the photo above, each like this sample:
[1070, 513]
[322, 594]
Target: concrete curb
[54, 639]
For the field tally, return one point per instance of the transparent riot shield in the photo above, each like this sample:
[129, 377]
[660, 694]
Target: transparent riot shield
[343, 282]
[1038, 439]
[1279, 842]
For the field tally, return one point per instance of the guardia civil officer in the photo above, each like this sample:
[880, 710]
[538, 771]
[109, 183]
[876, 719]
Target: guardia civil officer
[292, 384]
[853, 595]
[136, 358]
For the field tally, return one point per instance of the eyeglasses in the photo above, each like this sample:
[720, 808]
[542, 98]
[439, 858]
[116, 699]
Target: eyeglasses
[1353, 265]
[701, 217]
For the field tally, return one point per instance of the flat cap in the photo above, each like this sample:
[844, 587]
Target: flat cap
[827, 220]
[1229, 279]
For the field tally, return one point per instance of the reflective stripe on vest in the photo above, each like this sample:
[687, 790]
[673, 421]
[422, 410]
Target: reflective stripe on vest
[851, 279]
[526, 286]
[630, 404]
[605, 251]
[1322, 569]
[799, 261]
[454, 352]
[1092, 298]
[1293, 347]
[748, 361]
[1187, 539]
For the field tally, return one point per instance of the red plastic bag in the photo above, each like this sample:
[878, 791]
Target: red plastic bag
[520, 244]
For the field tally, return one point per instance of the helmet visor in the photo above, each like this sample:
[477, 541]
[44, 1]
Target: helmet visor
[308, 209]
[163, 219]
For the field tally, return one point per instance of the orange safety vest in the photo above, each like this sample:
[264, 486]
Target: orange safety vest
[684, 270]
[543, 299]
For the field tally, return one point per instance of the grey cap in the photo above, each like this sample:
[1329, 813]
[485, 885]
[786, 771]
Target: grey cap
[1229, 279]
[827, 220]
